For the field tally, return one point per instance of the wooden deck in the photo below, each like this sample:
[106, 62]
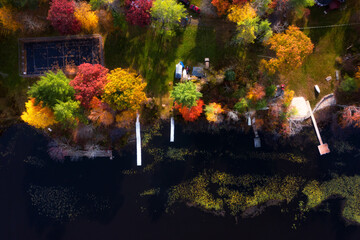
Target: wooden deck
[323, 147]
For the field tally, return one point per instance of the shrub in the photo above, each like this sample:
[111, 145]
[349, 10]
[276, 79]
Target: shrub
[348, 85]
[230, 75]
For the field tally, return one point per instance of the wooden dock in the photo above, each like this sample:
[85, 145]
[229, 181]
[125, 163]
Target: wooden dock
[138, 142]
[172, 129]
[89, 154]
[323, 147]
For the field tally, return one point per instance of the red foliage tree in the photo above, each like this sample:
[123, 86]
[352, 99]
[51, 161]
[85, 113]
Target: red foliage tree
[61, 16]
[89, 82]
[351, 117]
[190, 114]
[138, 12]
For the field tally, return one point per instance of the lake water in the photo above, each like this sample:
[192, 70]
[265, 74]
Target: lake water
[105, 203]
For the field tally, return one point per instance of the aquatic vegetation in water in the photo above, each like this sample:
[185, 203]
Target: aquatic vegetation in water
[150, 192]
[345, 187]
[236, 193]
[149, 133]
[196, 192]
[58, 203]
[64, 203]
[272, 156]
[179, 154]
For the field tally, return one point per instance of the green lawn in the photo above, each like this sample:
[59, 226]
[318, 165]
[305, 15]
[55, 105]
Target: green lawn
[12, 87]
[155, 58]
[329, 44]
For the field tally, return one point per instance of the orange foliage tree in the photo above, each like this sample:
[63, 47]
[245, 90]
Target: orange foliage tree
[7, 21]
[213, 112]
[190, 114]
[99, 113]
[87, 18]
[256, 93]
[125, 119]
[351, 117]
[37, 116]
[291, 49]
[223, 6]
[124, 90]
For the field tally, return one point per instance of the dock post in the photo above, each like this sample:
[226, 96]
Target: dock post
[172, 129]
[138, 142]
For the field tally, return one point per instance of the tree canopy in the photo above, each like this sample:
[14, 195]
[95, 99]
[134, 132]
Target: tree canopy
[87, 18]
[249, 26]
[66, 112]
[291, 48]
[51, 89]
[37, 115]
[61, 16]
[138, 12]
[167, 13]
[186, 94]
[124, 90]
[89, 82]
[192, 113]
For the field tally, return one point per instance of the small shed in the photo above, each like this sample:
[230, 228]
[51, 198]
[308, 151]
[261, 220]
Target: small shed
[178, 71]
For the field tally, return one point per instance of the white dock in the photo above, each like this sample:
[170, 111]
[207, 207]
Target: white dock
[138, 142]
[323, 147]
[172, 129]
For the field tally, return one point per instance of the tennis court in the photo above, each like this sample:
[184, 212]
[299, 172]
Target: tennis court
[38, 55]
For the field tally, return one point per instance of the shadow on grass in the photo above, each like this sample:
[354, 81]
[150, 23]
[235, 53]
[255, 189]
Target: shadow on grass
[142, 49]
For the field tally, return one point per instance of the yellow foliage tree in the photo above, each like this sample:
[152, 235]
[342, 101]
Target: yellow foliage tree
[124, 90]
[239, 13]
[37, 116]
[7, 21]
[288, 97]
[88, 19]
[213, 112]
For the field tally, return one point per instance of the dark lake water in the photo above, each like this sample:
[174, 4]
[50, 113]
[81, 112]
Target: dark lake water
[108, 204]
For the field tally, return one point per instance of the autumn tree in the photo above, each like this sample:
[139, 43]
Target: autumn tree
[87, 18]
[261, 6]
[61, 16]
[89, 82]
[291, 48]
[239, 13]
[37, 115]
[222, 6]
[8, 24]
[138, 12]
[167, 14]
[213, 112]
[124, 90]
[52, 88]
[249, 26]
[256, 93]
[67, 112]
[192, 113]
[125, 119]
[100, 112]
[351, 117]
[241, 106]
[186, 94]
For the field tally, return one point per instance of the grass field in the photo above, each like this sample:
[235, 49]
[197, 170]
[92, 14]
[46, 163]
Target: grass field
[329, 44]
[155, 58]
